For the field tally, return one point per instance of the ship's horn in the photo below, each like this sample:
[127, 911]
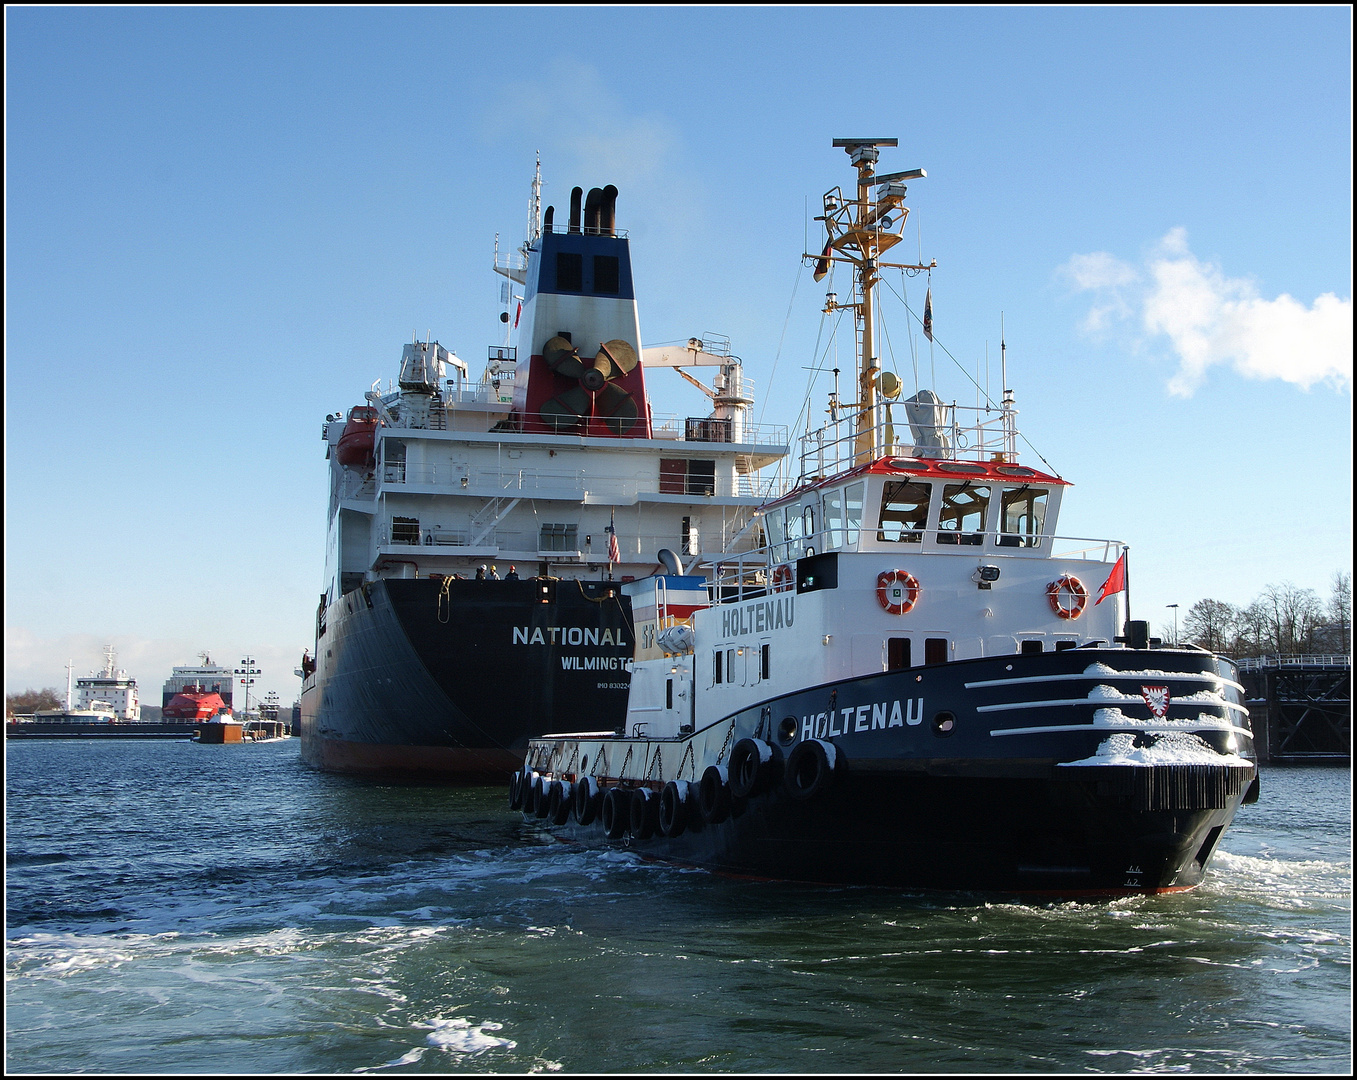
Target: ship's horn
[609, 214]
[593, 201]
[575, 195]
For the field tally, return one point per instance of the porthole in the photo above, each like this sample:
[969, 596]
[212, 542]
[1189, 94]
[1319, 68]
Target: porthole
[944, 723]
[786, 731]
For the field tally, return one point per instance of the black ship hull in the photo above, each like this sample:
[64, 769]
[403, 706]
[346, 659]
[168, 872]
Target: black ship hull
[449, 678]
[1003, 781]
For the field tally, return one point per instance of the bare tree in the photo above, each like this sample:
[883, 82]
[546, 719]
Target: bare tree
[1339, 613]
[1285, 619]
[1212, 624]
[28, 701]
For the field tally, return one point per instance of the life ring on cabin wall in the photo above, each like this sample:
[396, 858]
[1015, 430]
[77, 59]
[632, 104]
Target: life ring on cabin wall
[897, 591]
[1063, 586]
[782, 577]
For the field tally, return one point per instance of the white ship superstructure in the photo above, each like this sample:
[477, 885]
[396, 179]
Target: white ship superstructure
[209, 677]
[111, 689]
[550, 472]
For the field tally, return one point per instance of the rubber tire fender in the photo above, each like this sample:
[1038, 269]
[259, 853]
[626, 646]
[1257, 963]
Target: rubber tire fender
[713, 795]
[541, 796]
[586, 800]
[529, 792]
[616, 812]
[810, 769]
[561, 801]
[674, 807]
[751, 767]
[516, 791]
[645, 813]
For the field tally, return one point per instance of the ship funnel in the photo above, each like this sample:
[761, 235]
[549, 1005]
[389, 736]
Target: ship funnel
[546, 218]
[608, 220]
[593, 204]
[575, 195]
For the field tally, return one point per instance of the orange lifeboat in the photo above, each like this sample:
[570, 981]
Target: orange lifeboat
[194, 703]
[355, 444]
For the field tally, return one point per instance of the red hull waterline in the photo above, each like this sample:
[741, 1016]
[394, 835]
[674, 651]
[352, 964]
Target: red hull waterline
[452, 764]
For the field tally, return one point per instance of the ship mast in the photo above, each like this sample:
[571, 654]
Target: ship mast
[860, 231]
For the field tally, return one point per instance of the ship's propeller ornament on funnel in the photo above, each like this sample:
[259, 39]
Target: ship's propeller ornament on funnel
[597, 397]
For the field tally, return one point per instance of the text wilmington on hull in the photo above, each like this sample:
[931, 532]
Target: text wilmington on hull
[913, 681]
[479, 531]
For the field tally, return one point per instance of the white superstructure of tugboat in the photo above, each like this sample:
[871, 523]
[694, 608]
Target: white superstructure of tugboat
[914, 681]
[480, 529]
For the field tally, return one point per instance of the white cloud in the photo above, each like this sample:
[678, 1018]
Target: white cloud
[1211, 319]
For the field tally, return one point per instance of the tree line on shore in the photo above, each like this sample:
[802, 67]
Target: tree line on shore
[1283, 620]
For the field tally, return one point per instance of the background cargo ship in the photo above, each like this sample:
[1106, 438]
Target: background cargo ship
[552, 463]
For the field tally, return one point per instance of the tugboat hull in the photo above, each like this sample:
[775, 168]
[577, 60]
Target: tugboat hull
[1008, 775]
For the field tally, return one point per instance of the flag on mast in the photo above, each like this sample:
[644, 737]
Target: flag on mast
[928, 314]
[614, 556]
[1116, 581]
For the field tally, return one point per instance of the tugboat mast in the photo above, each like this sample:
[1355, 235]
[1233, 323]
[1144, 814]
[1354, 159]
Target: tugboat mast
[860, 231]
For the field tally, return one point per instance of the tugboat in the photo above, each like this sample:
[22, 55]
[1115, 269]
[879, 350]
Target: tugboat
[912, 681]
[480, 530]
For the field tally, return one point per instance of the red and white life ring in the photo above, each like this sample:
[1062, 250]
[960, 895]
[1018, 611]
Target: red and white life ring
[897, 591]
[1060, 588]
[782, 577]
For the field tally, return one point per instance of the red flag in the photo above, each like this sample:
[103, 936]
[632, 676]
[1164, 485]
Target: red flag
[614, 556]
[518, 313]
[928, 315]
[1115, 583]
[822, 263]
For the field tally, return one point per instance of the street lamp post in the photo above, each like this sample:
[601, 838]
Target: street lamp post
[247, 672]
[1175, 622]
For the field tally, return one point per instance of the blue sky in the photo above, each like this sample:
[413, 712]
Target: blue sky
[222, 223]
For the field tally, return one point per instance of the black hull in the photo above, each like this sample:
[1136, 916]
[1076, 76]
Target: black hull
[37, 729]
[449, 679]
[1000, 813]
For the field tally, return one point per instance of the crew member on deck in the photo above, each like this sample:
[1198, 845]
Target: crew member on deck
[494, 573]
[512, 575]
[480, 573]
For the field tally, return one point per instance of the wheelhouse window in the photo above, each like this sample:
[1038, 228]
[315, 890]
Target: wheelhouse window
[795, 533]
[904, 511]
[852, 512]
[962, 516]
[834, 530]
[809, 531]
[775, 524]
[1023, 516]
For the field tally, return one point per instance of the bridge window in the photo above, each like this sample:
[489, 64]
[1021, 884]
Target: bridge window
[775, 525]
[963, 513]
[904, 511]
[834, 532]
[852, 512]
[1024, 516]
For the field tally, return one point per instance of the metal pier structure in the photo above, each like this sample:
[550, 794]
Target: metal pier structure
[1301, 707]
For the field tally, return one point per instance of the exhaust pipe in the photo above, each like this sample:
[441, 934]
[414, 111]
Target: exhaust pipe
[575, 195]
[592, 204]
[608, 211]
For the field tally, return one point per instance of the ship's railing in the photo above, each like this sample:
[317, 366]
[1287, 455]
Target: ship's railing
[734, 576]
[1266, 663]
[564, 482]
[590, 548]
[960, 431]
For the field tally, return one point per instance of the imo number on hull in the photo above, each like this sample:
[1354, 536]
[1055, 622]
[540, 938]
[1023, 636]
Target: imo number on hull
[913, 681]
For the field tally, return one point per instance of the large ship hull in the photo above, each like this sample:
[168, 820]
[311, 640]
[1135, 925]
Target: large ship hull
[999, 775]
[450, 678]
